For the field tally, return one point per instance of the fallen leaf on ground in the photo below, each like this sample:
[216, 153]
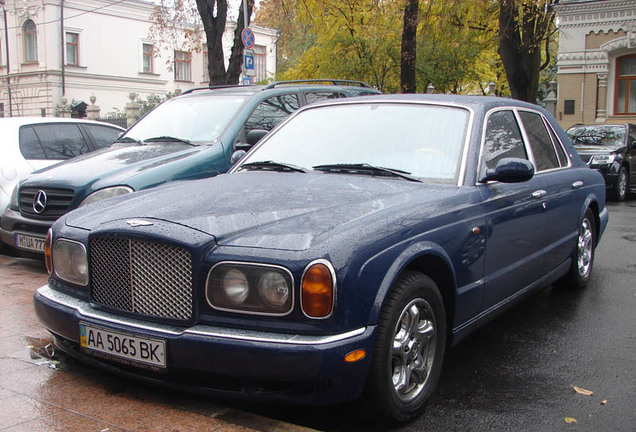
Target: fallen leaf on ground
[570, 420]
[604, 401]
[582, 391]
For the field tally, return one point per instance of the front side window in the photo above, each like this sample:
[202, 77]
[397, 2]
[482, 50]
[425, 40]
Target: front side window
[148, 56]
[103, 136]
[503, 140]
[72, 49]
[182, 61]
[540, 142]
[30, 41]
[626, 85]
[272, 111]
[424, 141]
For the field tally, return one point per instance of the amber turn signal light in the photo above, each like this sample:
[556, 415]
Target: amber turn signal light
[355, 356]
[317, 291]
[47, 252]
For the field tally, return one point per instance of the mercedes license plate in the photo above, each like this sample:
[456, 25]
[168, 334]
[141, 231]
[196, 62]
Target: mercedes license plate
[30, 243]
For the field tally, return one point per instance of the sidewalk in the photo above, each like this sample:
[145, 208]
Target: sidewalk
[40, 393]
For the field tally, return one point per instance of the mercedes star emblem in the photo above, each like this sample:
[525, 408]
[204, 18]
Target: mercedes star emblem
[39, 202]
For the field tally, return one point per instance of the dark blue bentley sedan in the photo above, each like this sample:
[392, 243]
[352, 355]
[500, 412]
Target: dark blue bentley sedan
[342, 255]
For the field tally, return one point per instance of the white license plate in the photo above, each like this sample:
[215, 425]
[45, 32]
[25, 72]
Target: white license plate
[134, 348]
[31, 243]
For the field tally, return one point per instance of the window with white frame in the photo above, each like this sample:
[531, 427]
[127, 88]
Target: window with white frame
[182, 66]
[30, 41]
[147, 61]
[626, 85]
[72, 48]
[260, 63]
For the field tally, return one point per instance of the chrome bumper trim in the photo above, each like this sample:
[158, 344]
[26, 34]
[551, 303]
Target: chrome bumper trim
[84, 309]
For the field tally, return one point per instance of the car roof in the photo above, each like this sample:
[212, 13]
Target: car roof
[21, 121]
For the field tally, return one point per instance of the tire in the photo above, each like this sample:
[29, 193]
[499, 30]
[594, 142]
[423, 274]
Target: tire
[621, 188]
[582, 256]
[409, 348]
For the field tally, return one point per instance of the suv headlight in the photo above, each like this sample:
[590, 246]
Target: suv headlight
[70, 262]
[102, 194]
[603, 159]
[250, 288]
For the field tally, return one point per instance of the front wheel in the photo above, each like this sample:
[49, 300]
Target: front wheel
[583, 255]
[621, 188]
[409, 348]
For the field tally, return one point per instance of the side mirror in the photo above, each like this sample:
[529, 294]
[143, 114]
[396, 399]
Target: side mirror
[237, 156]
[510, 170]
[255, 135]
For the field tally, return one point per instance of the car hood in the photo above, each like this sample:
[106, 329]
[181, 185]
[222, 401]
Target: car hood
[117, 163]
[290, 211]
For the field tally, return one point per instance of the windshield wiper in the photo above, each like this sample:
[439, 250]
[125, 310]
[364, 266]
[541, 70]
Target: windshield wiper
[272, 166]
[166, 138]
[126, 139]
[366, 169]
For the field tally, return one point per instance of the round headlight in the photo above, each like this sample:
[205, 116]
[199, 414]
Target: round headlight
[273, 289]
[235, 286]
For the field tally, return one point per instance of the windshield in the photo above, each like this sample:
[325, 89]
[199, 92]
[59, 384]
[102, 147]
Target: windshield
[425, 141]
[604, 136]
[198, 120]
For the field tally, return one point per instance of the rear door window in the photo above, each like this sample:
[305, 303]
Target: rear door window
[540, 142]
[317, 96]
[103, 136]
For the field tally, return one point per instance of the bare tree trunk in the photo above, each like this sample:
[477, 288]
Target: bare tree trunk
[409, 46]
[214, 17]
[520, 42]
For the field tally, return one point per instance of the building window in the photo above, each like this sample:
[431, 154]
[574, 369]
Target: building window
[260, 63]
[148, 56]
[182, 66]
[30, 41]
[626, 85]
[72, 49]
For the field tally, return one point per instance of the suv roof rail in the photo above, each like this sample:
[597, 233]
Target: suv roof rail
[210, 88]
[312, 81]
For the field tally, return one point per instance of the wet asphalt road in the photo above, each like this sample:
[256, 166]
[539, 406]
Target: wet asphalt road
[515, 374]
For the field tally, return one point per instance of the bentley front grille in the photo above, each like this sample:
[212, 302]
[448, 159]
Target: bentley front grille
[142, 277]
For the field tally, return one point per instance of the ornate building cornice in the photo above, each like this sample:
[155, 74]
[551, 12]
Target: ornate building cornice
[598, 15]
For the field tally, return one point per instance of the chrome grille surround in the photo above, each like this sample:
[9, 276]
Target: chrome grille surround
[58, 202]
[143, 277]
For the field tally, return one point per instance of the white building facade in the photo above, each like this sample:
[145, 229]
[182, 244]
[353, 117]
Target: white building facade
[56, 54]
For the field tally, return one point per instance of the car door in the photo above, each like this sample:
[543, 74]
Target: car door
[515, 215]
[561, 188]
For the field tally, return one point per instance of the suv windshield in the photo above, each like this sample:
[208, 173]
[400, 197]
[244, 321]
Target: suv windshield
[603, 136]
[420, 141]
[198, 120]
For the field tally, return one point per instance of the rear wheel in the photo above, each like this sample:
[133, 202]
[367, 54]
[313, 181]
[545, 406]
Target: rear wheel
[583, 255]
[621, 188]
[409, 348]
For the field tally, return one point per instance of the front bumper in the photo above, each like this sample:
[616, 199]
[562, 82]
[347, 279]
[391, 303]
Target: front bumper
[13, 223]
[221, 361]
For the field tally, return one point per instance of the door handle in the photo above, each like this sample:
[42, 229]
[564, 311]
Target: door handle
[539, 194]
[577, 184]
